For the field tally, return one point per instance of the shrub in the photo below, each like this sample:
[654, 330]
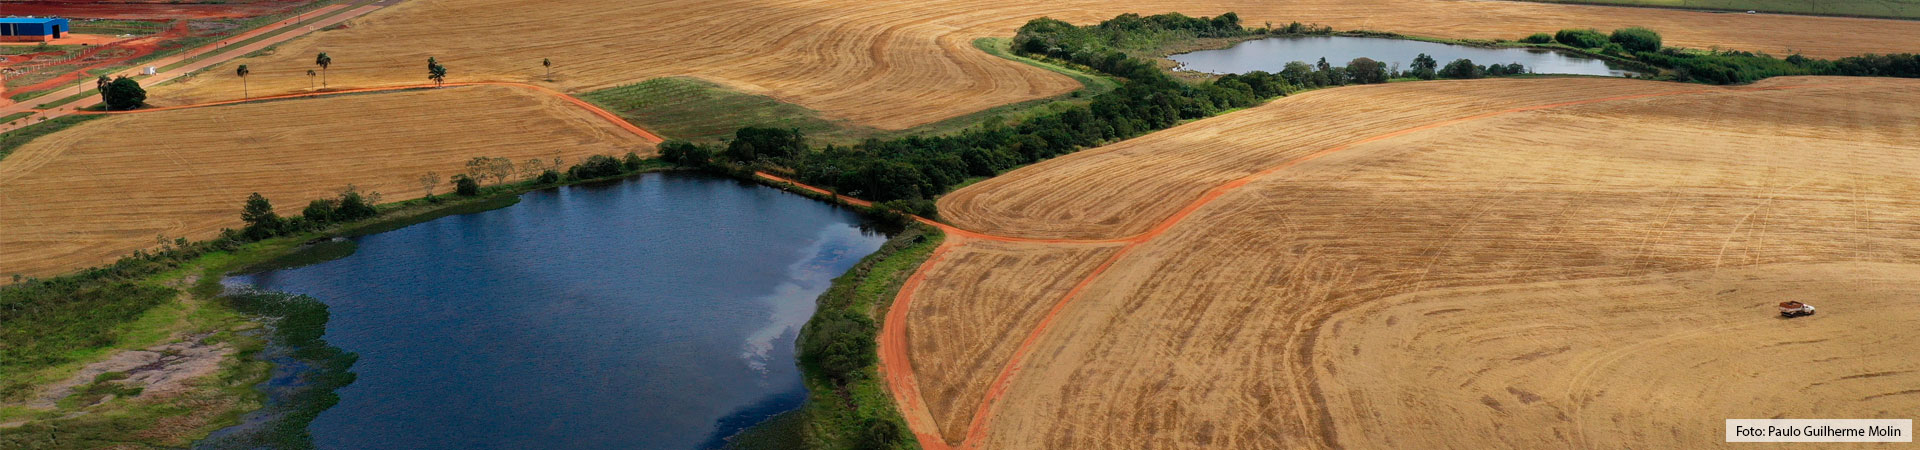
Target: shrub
[1587, 38]
[319, 211]
[596, 166]
[755, 143]
[353, 206]
[631, 162]
[1538, 38]
[878, 434]
[465, 186]
[919, 207]
[840, 343]
[685, 153]
[1637, 39]
[548, 177]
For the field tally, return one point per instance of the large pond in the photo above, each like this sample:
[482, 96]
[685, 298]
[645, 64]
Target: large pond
[1273, 54]
[659, 312]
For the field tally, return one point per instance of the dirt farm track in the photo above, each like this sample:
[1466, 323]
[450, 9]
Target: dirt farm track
[896, 64]
[1584, 261]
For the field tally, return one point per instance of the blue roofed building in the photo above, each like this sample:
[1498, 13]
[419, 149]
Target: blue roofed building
[33, 29]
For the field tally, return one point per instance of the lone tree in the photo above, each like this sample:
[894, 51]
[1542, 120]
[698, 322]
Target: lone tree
[428, 182]
[1425, 67]
[532, 168]
[1366, 71]
[477, 167]
[310, 78]
[242, 72]
[436, 72]
[123, 93]
[549, 65]
[262, 223]
[323, 60]
[101, 85]
[500, 168]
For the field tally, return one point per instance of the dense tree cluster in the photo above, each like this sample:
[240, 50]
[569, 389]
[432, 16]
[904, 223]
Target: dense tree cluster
[1730, 66]
[263, 223]
[122, 94]
[596, 166]
[904, 173]
[1581, 38]
[918, 168]
[840, 343]
[1124, 32]
[758, 143]
[1636, 39]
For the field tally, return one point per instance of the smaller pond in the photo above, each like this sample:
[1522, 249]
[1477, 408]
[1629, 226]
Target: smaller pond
[1273, 54]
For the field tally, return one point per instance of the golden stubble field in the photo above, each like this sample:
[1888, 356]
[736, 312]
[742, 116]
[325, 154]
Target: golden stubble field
[93, 193]
[1585, 262]
[896, 64]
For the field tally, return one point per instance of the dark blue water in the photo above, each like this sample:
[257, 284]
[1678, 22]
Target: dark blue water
[1273, 54]
[655, 313]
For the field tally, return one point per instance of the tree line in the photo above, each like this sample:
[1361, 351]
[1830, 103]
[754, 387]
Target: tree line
[905, 173]
[351, 205]
[1724, 66]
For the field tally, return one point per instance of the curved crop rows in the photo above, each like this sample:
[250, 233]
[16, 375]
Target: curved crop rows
[895, 64]
[93, 193]
[1250, 319]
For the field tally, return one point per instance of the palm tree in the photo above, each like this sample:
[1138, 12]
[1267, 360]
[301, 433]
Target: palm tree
[549, 64]
[310, 78]
[242, 72]
[101, 84]
[323, 60]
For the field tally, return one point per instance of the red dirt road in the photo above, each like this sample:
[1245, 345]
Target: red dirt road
[897, 369]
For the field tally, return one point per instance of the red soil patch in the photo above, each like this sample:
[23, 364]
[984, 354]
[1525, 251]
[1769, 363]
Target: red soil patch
[71, 39]
[140, 47]
[143, 10]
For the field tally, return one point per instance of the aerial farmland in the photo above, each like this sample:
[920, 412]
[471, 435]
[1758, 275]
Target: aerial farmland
[828, 224]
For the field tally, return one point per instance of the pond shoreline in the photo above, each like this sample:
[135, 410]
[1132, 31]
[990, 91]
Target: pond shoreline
[1269, 53]
[318, 248]
[1162, 55]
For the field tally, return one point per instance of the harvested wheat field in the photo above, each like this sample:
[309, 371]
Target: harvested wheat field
[1571, 262]
[896, 64]
[976, 308]
[93, 193]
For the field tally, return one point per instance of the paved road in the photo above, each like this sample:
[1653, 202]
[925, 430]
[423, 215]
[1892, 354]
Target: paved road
[224, 54]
